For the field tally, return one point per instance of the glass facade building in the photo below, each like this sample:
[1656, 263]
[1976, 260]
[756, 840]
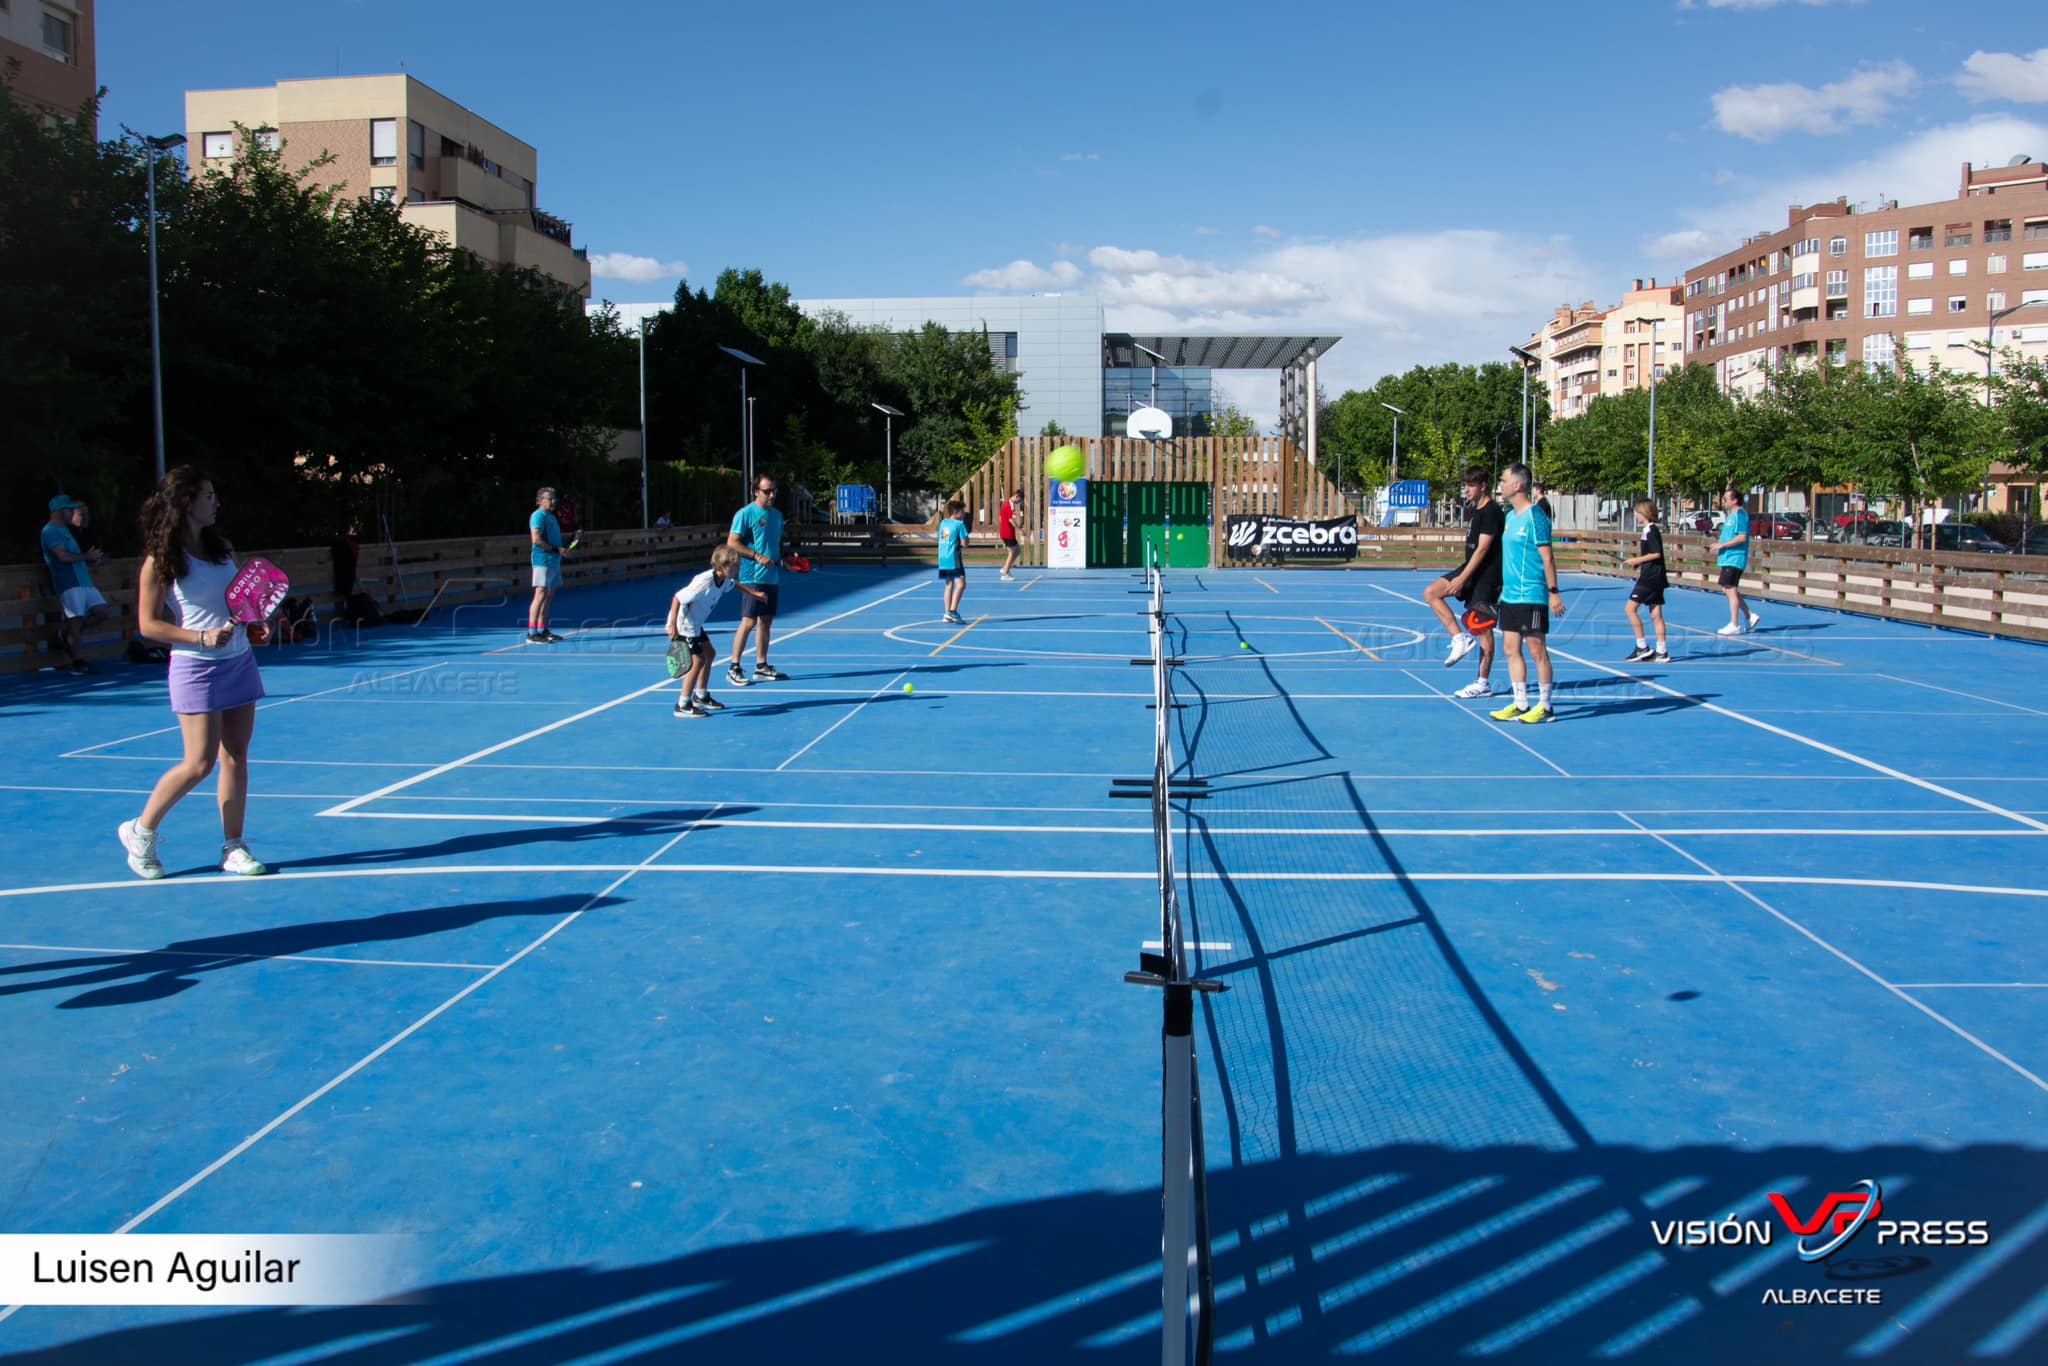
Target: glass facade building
[1184, 395]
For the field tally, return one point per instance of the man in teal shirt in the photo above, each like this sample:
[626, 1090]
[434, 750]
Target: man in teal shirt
[1528, 597]
[546, 534]
[757, 535]
[1731, 553]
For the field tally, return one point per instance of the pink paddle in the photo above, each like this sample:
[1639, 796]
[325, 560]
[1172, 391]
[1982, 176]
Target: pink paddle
[257, 590]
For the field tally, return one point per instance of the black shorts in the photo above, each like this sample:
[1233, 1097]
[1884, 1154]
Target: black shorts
[700, 645]
[1648, 593]
[757, 608]
[1731, 575]
[1010, 541]
[959, 573]
[1525, 618]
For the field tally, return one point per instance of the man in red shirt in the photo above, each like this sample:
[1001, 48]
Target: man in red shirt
[1007, 515]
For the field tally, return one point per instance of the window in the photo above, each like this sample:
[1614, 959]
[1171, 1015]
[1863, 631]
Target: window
[416, 144]
[217, 144]
[1838, 246]
[1961, 338]
[268, 140]
[1917, 239]
[1959, 267]
[1995, 300]
[1880, 351]
[1884, 243]
[2034, 260]
[415, 197]
[57, 36]
[2037, 229]
[1994, 265]
[1810, 247]
[1917, 308]
[1958, 304]
[383, 142]
[1880, 291]
[1997, 230]
[1958, 237]
[1919, 341]
[1838, 284]
[1806, 281]
[1920, 270]
[383, 194]
[2034, 296]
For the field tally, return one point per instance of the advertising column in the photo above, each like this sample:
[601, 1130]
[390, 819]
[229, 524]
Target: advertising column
[1066, 529]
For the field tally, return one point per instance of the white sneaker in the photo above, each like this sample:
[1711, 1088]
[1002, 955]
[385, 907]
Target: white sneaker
[1731, 629]
[142, 855]
[1753, 620]
[236, 858]
[1461, 645]
[1478, 687]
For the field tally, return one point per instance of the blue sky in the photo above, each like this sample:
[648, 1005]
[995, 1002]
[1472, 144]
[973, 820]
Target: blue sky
[1428, 180]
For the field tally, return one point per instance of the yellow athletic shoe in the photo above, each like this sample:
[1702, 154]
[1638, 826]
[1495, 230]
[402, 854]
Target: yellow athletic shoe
[1512, 711]
[1537, 714]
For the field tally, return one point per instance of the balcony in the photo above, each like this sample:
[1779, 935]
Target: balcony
[460, 178]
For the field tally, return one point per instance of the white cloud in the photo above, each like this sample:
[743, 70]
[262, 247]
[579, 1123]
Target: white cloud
[1724, 177]
[1762, 112]
[1023, 275]
[2006, 76]
[1208, 232]
[1919, 170]
[1080, 156]
[1399, 301]
[623, 265]
[1761, 4]
[1264, 231]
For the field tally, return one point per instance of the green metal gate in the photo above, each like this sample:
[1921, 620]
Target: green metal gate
[1125, 520]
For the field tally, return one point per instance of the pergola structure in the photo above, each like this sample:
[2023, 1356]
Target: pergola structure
[1292, 355]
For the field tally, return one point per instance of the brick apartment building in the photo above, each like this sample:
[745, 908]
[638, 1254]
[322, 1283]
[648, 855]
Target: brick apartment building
[53, 41]
[1589, 351]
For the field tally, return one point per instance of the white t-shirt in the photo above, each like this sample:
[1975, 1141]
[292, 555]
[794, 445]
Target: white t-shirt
[697, 598]
[199, 602]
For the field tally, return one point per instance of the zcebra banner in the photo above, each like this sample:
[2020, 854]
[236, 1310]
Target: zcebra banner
[1246, 538]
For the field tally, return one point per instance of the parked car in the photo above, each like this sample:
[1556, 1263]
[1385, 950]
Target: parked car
[1774, 527]
[1972, 540]
[1886, 534]
[1699, 521]
[2036, 542]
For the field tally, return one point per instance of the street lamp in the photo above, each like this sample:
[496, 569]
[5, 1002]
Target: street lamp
[1527, 358]
[889, 416]
[1157, 360]
[746, 417]
[1654, 323]
[1990, 326]
[1394, 467]
[643, 422]
[156, 353]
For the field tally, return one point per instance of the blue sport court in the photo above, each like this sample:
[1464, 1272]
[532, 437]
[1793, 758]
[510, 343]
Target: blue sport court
[799, 1033]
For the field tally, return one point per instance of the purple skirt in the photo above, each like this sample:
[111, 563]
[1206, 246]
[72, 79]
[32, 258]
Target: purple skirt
[206, 685]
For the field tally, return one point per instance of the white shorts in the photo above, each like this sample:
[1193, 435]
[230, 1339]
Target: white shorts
[547, 576]
[79, 602]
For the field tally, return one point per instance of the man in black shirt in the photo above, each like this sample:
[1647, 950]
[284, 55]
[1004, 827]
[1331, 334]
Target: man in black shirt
[1476, 584]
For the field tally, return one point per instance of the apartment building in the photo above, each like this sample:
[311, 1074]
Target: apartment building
[53, 42]
[396, 138]
[1589, 351]
[1926, 284]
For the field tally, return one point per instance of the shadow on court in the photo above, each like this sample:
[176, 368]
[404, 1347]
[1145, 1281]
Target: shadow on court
[155, 974]
[640, 825]
[1407, 1254]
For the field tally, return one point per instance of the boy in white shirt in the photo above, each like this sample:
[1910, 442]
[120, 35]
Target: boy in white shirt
[687, 613]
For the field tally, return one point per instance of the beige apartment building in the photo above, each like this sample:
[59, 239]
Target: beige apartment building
[1919, 284]
[395, 138]
[53, 40]
[1589, 351]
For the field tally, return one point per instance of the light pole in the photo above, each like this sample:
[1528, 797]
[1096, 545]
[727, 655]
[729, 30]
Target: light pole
[1527, 358]
[889, 416]
[1654, 323]
[1394, 466]
[1153, 402]
[156, 353]
[746, 418]
[1990, 326]
[643, 422]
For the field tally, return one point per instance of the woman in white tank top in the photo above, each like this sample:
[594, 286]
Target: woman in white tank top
[181, 601]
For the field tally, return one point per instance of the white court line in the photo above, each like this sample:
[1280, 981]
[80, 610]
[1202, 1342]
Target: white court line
[1499, 730]
[502, 745]
[1208, 945]
[1508, 830]
[261, 706]
[1146, 874]
[1808, 741]
[1951, 986]
[253, 1139]
[1953, 692]
[146, 791]
[247, 957]
[848, 717]
[1891, 987]
[1747, 639]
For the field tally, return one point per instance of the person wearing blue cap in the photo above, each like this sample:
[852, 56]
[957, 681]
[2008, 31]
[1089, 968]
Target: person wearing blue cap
[71, 578]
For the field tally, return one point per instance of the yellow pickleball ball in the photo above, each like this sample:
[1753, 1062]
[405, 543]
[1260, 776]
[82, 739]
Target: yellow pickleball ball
[910, 687]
